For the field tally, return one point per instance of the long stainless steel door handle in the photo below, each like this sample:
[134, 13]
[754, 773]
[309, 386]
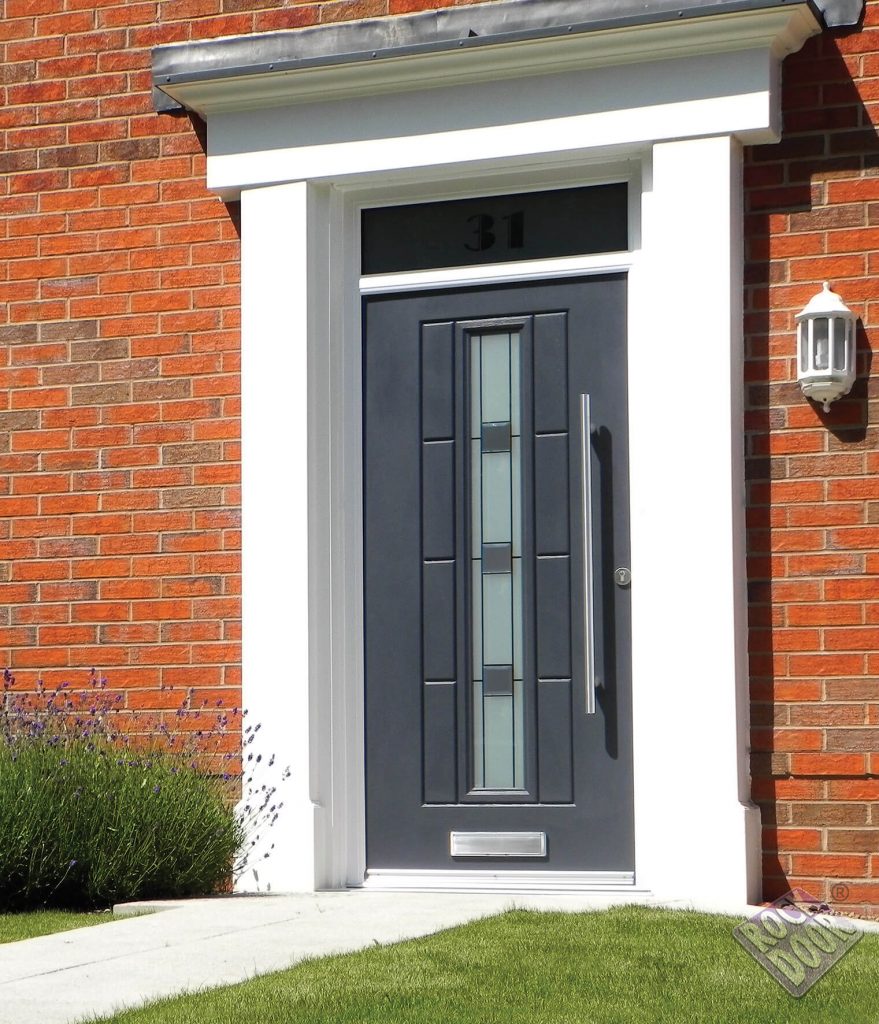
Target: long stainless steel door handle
[588, 590]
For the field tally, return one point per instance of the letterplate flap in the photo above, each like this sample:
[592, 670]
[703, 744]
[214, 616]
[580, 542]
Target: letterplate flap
[497, 844]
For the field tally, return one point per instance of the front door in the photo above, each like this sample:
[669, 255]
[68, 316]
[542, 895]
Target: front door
[497, 622]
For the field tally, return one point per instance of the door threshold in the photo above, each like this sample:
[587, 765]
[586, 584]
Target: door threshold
[524, 882]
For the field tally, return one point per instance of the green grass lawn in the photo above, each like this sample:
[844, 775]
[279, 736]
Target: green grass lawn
[633, 965]
[43, 922]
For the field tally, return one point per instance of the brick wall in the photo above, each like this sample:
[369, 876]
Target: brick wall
[813, 215]
[119, 351]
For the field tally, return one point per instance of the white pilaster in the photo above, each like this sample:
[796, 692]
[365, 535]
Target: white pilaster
[695, 830]
[276, 317]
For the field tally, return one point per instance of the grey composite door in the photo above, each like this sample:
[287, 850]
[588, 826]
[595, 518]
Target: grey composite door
[479, 516]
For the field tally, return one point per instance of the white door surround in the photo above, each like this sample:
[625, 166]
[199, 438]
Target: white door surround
[304, 167]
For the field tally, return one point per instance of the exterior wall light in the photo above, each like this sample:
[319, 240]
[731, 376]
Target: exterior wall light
[826, 348]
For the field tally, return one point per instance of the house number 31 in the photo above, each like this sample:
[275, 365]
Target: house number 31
[485, 230]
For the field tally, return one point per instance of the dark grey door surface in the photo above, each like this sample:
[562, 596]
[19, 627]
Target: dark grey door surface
[480, 751]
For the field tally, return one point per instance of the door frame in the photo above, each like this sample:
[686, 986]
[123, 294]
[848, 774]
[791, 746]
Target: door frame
[322, 717]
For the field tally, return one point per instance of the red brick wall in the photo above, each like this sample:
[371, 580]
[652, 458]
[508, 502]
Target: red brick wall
[813, 215]
[119, 428]
[119, 352]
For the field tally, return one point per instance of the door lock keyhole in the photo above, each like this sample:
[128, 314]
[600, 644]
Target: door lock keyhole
[622, 576]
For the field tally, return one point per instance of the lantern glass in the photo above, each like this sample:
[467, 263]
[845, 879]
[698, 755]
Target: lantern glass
[840, 344]
[821, 341]
[804, 346]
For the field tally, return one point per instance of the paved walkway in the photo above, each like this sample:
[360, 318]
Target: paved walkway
[193, 944]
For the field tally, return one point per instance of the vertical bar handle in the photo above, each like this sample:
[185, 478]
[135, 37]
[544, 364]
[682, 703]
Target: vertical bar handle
[588, 590]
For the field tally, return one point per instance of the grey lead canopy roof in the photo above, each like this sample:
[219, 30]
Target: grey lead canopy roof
[477, 25]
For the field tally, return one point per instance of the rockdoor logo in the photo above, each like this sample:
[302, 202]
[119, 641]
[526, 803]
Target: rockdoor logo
[797, 939]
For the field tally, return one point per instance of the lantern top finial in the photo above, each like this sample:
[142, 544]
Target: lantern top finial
[825, 303]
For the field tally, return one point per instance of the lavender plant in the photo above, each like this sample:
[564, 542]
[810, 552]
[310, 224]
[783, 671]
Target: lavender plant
[97, 808]
[260, 806]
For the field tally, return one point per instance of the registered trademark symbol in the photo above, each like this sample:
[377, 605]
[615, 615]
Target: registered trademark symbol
[839, 892]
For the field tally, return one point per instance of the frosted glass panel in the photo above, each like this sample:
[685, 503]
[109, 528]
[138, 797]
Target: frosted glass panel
[515, 385]
[495, 377]
[497, 513]
[498, 727]
[516, 489]
[476, 619]
[497, 619]
[475, 499]
[496, 589]
[518, 655]
[476, 387]
[478, 737]
[518, 735]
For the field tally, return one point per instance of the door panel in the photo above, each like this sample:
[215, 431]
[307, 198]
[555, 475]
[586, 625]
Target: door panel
[475, 583]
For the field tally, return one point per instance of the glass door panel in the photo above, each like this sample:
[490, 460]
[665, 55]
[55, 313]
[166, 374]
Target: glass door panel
[496, 555]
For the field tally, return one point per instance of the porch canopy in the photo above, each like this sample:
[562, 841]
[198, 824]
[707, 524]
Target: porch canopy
[243, 72]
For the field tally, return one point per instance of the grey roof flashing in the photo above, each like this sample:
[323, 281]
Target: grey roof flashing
[445, 29]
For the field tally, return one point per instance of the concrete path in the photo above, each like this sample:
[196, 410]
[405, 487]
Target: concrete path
[193, 944]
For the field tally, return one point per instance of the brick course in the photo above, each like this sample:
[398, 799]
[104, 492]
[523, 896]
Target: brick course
[119, 393]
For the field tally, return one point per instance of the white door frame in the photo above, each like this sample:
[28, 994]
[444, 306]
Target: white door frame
[328, 713]
[696, 832]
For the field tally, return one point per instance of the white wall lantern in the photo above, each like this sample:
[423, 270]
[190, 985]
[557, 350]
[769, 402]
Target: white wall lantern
[826, 348]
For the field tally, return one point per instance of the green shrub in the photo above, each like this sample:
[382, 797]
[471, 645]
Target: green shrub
[92, 813]
[84, 823]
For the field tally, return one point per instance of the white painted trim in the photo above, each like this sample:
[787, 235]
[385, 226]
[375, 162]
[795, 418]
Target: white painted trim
[687, 512]
[343, 687]
[555, 117]
[784, 30]
[496, 273]
[597, 167]
[404, 880]
[277, 610]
